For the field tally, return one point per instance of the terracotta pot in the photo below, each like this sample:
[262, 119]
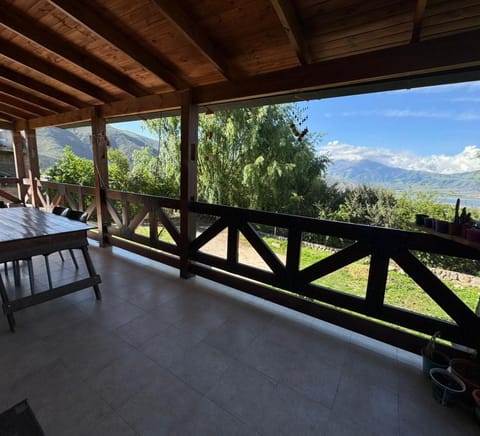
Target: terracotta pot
[473, 235]
[469, 372]
[454, 229]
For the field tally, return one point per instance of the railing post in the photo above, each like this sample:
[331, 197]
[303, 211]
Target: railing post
[100, 163]
[34, 168]
[20, 172]
[188, 178]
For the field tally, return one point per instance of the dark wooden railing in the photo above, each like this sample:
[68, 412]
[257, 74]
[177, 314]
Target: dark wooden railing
[286, 283]
[7, 196]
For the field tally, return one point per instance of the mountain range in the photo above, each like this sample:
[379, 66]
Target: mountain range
[345, 172]
[365, 171]
[52, 141]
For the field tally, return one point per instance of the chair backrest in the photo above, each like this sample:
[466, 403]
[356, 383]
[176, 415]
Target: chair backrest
[58, 210]
[76, 215]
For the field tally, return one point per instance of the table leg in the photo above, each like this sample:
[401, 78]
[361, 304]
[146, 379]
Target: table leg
[6, 304]
[91, 271]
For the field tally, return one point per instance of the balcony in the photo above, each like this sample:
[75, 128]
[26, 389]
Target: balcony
[161, 355]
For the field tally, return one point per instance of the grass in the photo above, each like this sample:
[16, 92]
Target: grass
[401, 290]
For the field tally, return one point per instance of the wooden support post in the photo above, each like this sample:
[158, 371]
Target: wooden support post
[188, 179]
[20, 171]
[33, 165]
[100, 162]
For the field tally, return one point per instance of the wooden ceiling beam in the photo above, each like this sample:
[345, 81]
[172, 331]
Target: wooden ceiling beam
[30, 98]
[71, 117]
[83, 12]
[40, 87]
[25, 26]
[292, 27]
[36, 63]
[14, 112]
[197, 36]
[450, 53]
[22, 104]
[6, 125]
[420, 7]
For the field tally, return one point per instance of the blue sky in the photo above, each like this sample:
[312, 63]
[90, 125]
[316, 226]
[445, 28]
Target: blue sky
[431, 128]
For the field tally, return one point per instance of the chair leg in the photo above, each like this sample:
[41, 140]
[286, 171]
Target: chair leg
[47, 266]
[73, 258]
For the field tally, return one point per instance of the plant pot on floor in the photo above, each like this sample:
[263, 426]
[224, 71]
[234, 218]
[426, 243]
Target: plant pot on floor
[436, 360]
[469, 372]
[447, 388]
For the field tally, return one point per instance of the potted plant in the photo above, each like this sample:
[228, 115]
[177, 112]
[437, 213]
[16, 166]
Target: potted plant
[469, 372]
[447, 388]
[433, 358]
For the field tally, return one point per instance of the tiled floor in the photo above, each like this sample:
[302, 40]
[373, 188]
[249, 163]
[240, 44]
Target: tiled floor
[164, 356]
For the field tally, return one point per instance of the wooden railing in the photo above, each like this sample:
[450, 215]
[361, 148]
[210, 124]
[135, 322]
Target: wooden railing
[286, 283]
[291, 286]
[5, 195]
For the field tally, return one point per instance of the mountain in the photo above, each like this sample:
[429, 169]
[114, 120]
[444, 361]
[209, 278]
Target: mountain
[369, 172]
[52, 141]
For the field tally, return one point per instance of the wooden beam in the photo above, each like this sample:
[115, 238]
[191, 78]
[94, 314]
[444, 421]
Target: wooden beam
[5, 125]
[41, 35]
[71, 117]
[447, 54]
[22, 104]
[7, 117]
[191, 30]
[15, 112]
[40, 87]
[20, 172]
[30, 98]
[33, 165]
[188, 179]
[151, 103]
[84, 12]
[100, 160]
[293, 28]
[418, 20]
[36, 63]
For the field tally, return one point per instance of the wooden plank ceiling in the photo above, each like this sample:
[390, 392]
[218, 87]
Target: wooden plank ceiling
[61, 57]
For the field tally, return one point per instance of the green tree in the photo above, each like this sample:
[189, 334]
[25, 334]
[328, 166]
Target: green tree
[72, 169]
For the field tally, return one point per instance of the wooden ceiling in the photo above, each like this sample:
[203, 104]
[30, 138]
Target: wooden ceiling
[58, 58]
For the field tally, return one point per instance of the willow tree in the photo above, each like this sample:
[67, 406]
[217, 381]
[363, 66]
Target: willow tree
[258, 158]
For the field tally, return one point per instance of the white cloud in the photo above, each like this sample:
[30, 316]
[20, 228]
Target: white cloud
[467, 160]
[409, 113]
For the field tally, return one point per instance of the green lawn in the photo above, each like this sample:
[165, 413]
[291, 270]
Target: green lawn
[401, 291]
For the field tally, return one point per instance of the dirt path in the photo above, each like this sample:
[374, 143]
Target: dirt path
[247, 255]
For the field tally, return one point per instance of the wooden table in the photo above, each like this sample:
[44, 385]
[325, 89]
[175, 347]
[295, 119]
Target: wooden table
[27, 232]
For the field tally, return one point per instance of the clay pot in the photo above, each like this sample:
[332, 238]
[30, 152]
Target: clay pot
[469, 372]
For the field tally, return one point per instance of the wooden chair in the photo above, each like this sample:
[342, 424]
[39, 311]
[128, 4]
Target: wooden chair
[73, 215]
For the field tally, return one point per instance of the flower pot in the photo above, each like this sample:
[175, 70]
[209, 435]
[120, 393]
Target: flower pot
[447, 388]
[420, 219]
[469, 372]
[476, 400]
[441, 226]
[472, 235]
[454, 229]
[438, 360]
[428, 222]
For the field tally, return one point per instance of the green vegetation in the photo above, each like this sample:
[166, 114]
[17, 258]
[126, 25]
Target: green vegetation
[401, 291]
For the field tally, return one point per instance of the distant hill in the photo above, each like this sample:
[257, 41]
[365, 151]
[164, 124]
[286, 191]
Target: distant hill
[52, 141]
[374, 173]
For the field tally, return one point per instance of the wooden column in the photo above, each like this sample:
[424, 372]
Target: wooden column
[100, 162]
[33, 165]
[20, 172]
[188, 178]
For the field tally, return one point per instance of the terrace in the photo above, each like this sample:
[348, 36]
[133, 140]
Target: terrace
[228, 345]
[161, 355]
